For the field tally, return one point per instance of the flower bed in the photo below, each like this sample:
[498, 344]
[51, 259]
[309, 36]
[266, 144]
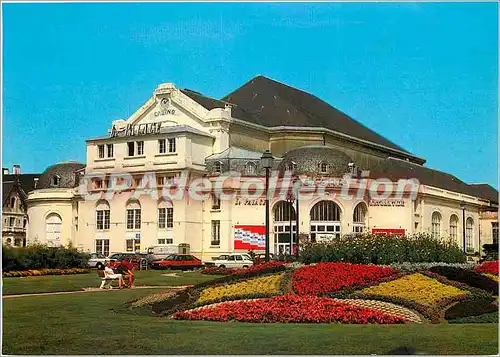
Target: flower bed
[41, 272]
[328, 277]
[472, 278]
[290, 308]
[471, 308]
[418, 288]
[488, 267]
[264, 286]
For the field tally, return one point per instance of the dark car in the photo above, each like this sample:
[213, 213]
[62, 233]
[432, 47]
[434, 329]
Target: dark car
[261, 258]
[177, 261]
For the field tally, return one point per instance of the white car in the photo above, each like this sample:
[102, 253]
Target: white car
[97, 260]
[235, 261]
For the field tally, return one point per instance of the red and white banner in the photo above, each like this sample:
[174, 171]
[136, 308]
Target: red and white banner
[249, 237]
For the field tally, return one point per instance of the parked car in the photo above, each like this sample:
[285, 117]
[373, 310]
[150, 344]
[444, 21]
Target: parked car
[235, 261]
[131, 259]
[261, 258]
[177, 261]
[220, 257]
[97, 260]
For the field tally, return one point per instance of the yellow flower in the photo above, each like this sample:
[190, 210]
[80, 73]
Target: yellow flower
[264, 285]
[417, 288]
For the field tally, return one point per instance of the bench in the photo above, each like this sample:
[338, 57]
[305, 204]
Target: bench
[105, 281]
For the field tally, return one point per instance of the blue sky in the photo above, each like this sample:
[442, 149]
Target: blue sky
[424, 75]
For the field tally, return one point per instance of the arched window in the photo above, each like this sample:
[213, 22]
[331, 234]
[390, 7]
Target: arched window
[284, 227]
[8, 241]
[103, 215]
[55, 180]
[133, 215]
[436, 225]
[469, 235]
[323, 167]
[12, 202]
[250, 168]
[53, 225]
[325, 221]
[359, 218]
[218, 167]
[290, 166]
[165, 214]
[454, 226]
[283, 212]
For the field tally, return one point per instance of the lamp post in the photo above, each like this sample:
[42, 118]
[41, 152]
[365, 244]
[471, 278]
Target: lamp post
[266, 162]
[462, 206]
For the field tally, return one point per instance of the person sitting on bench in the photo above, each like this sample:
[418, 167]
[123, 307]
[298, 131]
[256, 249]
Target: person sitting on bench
[126, 271]
[110, 274]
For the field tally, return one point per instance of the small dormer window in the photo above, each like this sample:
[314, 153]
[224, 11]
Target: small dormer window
[56, 179]
[250, 168]
[218, 167]
[323, 168]
[290, 166]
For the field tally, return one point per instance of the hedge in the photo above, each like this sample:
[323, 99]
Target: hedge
[376, 249]
[471, 308]
[40, 256]
[468, 277]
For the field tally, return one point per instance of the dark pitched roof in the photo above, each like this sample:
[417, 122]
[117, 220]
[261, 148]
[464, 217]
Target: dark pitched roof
[396, 169]
[27, 181]
[485, 191]
[66, 173]
[271, 103]
[6, 188]
[211, 103]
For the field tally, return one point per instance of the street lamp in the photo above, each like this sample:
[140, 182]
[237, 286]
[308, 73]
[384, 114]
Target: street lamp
[462, 206]
[266, 161]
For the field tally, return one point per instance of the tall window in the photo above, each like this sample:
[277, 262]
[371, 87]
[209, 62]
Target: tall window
[55, 180]
[436, 225]
[218, 167]
[100, 151]
[162, 146]
[325, 221]
[215, 233]
[215, 201]
[469, 235]
[133, 215]
[359, 218]
[494, 232]
[109, 148]
[102, 215]
[165, 215]
[454, 226]
[53, 225]
[131, 148]
[102, 246]
[171, 145]
[140, 148]
[250, 168]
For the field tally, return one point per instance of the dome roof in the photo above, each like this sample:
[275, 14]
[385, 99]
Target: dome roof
[60, 175]
[317, 160]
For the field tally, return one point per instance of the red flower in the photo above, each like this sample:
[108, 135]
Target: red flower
[488, 267]
[290, 308]
[329, 277]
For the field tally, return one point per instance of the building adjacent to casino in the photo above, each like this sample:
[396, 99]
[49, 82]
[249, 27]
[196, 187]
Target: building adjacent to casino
[181, 131]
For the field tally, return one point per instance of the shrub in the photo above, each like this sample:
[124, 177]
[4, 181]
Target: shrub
[490, 251]
[471, 308]
[413, 267]
[468, 277]
[40, 256]
[491, 317]
[376, 249]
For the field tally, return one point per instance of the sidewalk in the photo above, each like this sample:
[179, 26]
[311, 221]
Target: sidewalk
[87, 290]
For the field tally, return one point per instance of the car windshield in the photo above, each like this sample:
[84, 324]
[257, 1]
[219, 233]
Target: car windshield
[115, 256]
[171, 257]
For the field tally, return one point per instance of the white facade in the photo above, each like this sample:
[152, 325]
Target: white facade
[188, 135]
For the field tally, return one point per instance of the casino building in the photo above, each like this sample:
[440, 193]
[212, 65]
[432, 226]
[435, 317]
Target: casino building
[179, 132]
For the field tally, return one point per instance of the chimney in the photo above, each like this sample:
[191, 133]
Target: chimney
[17, 170]
[5, 171]
[35, 183]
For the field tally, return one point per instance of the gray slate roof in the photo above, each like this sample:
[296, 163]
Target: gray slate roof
[66, 172]
[236, 153]
[272, 104]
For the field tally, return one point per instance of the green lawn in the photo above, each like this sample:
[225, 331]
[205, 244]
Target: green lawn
[85, 324]
[41, 284]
